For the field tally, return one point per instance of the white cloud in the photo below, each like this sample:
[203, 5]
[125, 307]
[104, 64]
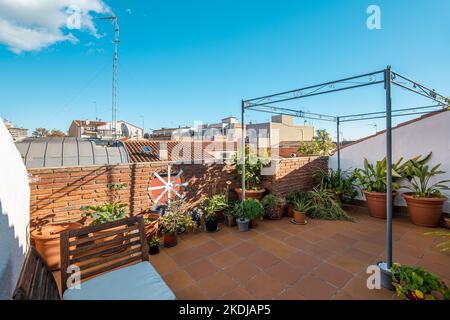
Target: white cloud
[31, 25]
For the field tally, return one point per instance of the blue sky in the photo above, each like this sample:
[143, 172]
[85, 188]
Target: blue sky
[185, 61]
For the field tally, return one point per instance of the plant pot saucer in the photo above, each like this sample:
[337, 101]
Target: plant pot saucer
[299, 223]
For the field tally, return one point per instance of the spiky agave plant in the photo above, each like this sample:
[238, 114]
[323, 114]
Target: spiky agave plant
[324, 206]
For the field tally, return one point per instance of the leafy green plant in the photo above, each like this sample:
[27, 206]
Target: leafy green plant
[340, 182]
[176, 219]
[297, 196]
[322, 144]
[372, 178]
[217, 202]
[154, 241]
[324, 206]
[249, 209]
[302, 205]
[253, 166]
[108, 212]
[415, 283]
[419, 175]
[271, 202]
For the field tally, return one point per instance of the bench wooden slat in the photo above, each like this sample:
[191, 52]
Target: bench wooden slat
[83, 249]
[109, 259]
[84, 240]
[111, 267]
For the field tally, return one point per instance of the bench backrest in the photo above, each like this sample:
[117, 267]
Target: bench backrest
[98, 249]
[36, 281]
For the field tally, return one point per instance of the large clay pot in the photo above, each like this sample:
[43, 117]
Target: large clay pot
[47, 242]
[290, 210]
[170, 240]
[425, 212]
[250, 194]
[376, 202]
[299, 216]
[275, 213]
[109, 238]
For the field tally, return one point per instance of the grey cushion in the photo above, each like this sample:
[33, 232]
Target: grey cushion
[136, 282]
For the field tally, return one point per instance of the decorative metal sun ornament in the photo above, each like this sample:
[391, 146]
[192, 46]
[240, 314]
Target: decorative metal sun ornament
[166, 186]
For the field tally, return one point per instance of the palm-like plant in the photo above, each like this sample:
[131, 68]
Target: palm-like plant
[419, 175]
[217, 202]
[373, 178]
[302, 205]
[340, 182]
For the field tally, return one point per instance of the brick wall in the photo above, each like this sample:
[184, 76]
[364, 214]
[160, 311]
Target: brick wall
[294, 174]
[57, 194]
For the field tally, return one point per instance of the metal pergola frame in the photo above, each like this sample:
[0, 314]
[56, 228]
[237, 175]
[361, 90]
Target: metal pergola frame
[268, 104]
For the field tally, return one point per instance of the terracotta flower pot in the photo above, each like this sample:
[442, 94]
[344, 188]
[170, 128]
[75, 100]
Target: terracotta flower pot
[376, 203]
[447, 223]
[219, 216]
[253, 223]
[250, 194]
[290, 210]
[170, 240]
[47, 242]
[425, 212]
[276, 213]
[109, 238]
[299, 217]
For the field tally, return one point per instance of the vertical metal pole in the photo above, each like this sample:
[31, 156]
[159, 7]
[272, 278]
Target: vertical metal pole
[243, 149]
[338, 145]
[389, 204]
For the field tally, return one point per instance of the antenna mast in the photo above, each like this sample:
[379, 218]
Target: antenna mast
[114, 82]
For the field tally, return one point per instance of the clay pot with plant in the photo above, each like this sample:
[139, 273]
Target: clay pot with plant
[274, 206]
[301, 208]
[290, 199]
[253, 167]
[424, 201]
[153, 245]
[174, 220]
[214, 207]
[47, 241]
[372, 180]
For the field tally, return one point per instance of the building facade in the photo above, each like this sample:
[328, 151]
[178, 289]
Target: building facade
[103, 130]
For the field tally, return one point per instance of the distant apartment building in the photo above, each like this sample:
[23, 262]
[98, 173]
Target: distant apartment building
[167, 133]
[16, 133]
[103, 130]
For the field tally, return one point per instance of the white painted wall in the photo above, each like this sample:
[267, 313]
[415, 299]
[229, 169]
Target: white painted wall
[417, 138]
[14, 213]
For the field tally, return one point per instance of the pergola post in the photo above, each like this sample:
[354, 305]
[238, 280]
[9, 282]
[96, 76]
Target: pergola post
[389, 204]
[243, 149]
[338, 143]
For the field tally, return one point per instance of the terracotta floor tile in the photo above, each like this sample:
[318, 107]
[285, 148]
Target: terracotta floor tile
[187, 256]
[290, 294]
[349, 264]
[263, 259]
[242, 271]
[208, 248]
[163, 263]
[200, 269]
[278, 234]
[303, 261]
[228, 240]
[217, 285]
[357, 288]
[332, 274]
[264, 287]
[317, 251]
[178, 280]
[282, 250]
[238, 293]
[244, 249]
[224, 259]
[314, 288]
[192, 292]
[285, 273]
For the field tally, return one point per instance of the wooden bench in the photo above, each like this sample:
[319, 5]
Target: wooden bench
[106, 261]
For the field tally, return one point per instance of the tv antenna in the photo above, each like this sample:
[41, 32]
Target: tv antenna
[116, 41]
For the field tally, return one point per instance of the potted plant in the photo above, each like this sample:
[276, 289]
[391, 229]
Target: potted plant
[254, 211]
[340, 183]
[154, 245]
[215, 205]
[229, 216]
[324, 206]
[415, 283]
[253, 166]
[241, 220]
[301, 208]
[47, 241]
[290, 199]
[447, 221]
[173, 221]
[211, 221]
[274, 206]
[425, 201]
[372, 180]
